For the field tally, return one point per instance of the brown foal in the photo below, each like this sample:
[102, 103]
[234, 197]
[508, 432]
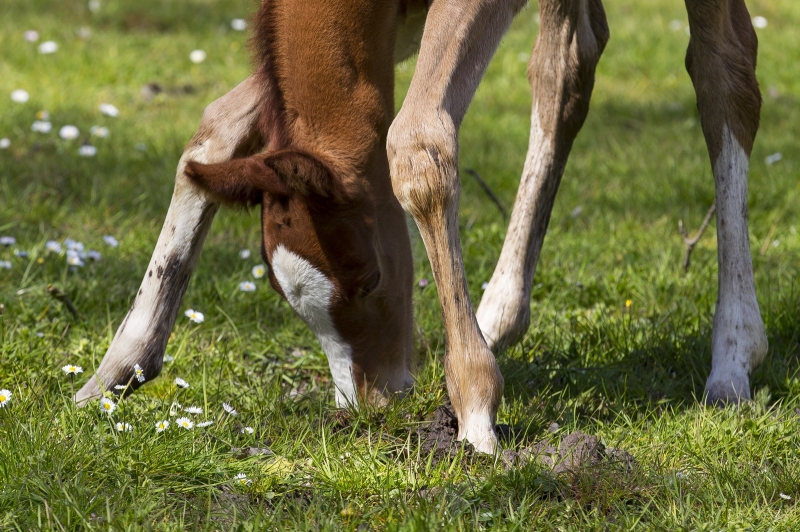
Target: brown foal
[311, 136]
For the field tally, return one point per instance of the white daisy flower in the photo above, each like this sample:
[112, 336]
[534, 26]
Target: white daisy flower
[94, 6]
[52, 246]
[74, 258]
[760, 22]
[785, 497]
[111, 241]
[675, 25]
[107, 405]
[484, 285]
[180, 382]
[124, 427]
[48, 47]
[5, 397]
[42, 126]
[229, 409]
[4, 143]
[94, 255]
[185, 422]
[121, 387]
[195, 316]
[259, 271]
[161, 426]
[99, 131]
[31, 35]
[242, 479]
[138, 372]
[87, 150]
[5, 265]
[774, 158]
[70, 369]
[244, 254]
[42, 115]
[247, 286]
[168, 358]
[205, 424]
[20, 96]
[73, 245]
[69, 132]
[21, 253]
[7, 240]
[248, 430]
[108, 109]
[239, 24]
[197, 56]
[193, 410]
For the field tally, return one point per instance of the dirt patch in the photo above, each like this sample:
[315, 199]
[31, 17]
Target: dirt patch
[573, 452]
[439, 436]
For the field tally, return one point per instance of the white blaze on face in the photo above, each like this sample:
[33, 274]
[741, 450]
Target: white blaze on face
[309, 292]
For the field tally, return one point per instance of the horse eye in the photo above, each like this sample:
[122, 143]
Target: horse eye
[371, 284]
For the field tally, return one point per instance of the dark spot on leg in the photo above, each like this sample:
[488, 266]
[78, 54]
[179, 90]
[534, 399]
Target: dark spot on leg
[159, 272]
[150, 273]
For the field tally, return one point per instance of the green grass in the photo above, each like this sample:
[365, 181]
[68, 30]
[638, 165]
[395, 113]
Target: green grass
[632, 375]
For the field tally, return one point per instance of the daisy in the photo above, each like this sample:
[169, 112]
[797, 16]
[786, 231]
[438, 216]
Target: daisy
[73, 258]
[161, 426]
[108, 109]
[138, 372]
[69, 132]
[99, 131]
[185, 422]
[247, 286]
[94, 255]
[174, 408]
[180, 382]
[42, 115]
[785, 497]
[248, 430]
[7, 240]
[205, 424]
[5, 397]
[259, 271]
[111, 241]
[20, 96]
[484, 285]
[124, 427]
[197, 56]
[31, 35]
[48, 47]
[121, 387]
[94, 6]
[168, 358]
[21, 254]
[244, 254]
[242, 479]
[52, 246]
[42, 126]
[193, 410]
[229, 409]
[107, 405]
[87, 150]
[5, 265]
[195, 315]
[69, 369]
[73, 245]
[239, 24]
[760, 22]
[4, 143]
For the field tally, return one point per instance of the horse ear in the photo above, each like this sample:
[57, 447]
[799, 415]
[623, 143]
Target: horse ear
[305, 174]
[237, 182]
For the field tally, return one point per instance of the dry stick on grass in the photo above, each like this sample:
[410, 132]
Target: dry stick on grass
[488, 191]
[57, 294]
[691, 242]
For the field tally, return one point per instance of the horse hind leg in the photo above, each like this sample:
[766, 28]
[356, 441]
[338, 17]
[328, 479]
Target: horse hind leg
[721, 61]
[561, 71]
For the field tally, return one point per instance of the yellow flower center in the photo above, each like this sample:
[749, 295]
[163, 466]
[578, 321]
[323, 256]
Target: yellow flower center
[2, 398]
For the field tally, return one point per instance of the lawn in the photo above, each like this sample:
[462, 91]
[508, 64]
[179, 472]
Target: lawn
[618, 349]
